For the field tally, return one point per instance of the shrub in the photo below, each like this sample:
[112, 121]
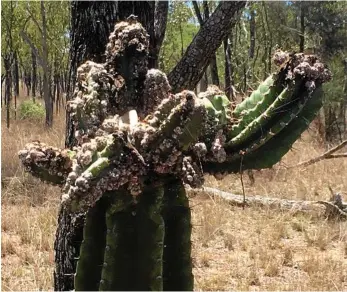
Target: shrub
[31, 110]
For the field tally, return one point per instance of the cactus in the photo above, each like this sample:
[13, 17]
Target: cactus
[138, 144]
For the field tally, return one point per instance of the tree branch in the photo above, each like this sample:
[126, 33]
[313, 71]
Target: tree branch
[327, 155]
[197, 12]
[32, 46]
[192, 66]
[34, 19]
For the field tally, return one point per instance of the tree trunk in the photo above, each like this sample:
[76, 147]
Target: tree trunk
[15, 82]
[192, 66]
[213, 63]
[27, 81]
[33, 75]
[46, 70]
[57, 96]
[40, 85]
[228, 70]
[8, 89]
[302, 27]
[15, 75]
[252, 34]
[3, 78]
[160, 20]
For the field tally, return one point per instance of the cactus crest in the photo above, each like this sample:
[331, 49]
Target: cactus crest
[139, 144]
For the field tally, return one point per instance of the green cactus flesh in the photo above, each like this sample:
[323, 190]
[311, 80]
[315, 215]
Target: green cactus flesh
[259, 123]
[138, 246]
[256, 97]
[177, 259]
[118, 262]
[186, 114]
[90, 264]
[275, 148]
[150, 238]
[283, 121]
[263, 98]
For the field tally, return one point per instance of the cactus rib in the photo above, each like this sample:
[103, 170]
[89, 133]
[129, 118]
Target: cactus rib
[150, 240]
[118, 265]
[177, 252]
[89, 265]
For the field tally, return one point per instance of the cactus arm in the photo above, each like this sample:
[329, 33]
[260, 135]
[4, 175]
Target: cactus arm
[278, 146]
[284, 121]
[191, 129]
[163, 110]
[89, 265]
[260, 122]
[182, 126]
[150, 240]
[49, 164]
[255, 97]
[177, 252]
[272, 152]
[264, 100]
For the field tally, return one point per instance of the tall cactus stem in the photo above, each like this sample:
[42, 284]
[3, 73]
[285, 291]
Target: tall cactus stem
[178, 274]
[118, 267]
[91, 258]
[150, 240]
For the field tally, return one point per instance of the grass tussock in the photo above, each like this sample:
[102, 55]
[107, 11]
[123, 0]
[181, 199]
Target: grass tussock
[233, 249]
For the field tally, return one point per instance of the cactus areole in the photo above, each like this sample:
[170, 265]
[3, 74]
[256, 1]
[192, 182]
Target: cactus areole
[139, 144]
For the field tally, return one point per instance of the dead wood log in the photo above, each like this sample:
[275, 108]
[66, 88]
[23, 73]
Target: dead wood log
[333, 208]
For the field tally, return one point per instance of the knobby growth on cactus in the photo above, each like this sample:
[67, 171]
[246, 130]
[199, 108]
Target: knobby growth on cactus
[138, 145]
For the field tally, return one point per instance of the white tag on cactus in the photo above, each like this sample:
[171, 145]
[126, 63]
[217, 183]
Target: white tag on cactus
[130, 118]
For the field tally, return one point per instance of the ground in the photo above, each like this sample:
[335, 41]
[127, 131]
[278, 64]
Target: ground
[233, 248]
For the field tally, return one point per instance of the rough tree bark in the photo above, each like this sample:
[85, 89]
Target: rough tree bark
[46, 70]
[189, 70]
[213, 62]
[8, 88]
[252, 34]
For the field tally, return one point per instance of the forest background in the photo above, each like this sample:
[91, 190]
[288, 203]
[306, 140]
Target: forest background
[233, 249]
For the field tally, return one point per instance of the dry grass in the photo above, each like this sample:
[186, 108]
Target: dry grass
[233, 249]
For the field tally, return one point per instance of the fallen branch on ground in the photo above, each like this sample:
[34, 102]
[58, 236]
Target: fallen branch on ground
[327, 155]
[332, 208]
